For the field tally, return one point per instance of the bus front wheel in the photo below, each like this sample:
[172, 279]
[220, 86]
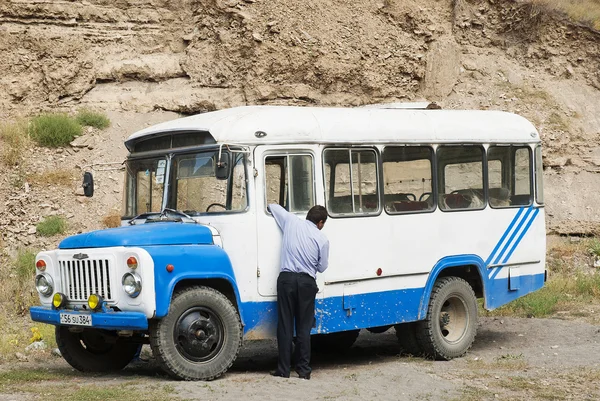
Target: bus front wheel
[93, 350]
[200, 337]
[451, 323]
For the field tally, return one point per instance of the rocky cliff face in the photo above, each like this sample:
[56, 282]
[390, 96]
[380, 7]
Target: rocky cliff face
[144, 60]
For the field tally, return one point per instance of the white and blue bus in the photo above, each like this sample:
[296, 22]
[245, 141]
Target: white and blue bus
[428, 211]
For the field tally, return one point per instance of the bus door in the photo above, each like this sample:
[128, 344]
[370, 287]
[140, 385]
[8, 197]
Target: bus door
[284, 175]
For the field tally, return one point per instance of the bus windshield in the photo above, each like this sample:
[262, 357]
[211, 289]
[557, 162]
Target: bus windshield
[193, 187]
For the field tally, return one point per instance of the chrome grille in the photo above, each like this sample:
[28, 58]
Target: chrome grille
[81, 278]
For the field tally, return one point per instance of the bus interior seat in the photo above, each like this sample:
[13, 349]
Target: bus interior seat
[455, 201]
[391, 199]
[408, 206]
[499, 197]
[520, 200]
[343, 204]
[473, 198]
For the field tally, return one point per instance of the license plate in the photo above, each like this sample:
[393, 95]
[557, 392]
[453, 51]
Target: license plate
[75, 319]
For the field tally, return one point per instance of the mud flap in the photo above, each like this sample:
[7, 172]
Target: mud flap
[514, 275]
[348, 302]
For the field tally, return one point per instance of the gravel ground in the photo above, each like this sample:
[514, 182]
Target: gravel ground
[511, 359]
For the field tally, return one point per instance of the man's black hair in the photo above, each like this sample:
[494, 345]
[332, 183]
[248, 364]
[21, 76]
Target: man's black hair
[316, 214]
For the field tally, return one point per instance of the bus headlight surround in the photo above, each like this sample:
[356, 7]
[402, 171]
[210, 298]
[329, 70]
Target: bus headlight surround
[44, 284]
[132, 284]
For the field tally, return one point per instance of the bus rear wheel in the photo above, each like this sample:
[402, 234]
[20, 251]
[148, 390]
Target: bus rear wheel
[200, 337]
[333, 342]
[94, 350]
[451, 323]
[406, 333]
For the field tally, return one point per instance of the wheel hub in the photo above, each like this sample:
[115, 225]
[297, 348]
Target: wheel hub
[199, 335]
[444, 319]
[453, 319]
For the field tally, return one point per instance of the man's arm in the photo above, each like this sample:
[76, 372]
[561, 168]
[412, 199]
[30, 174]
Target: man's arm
[323, 258]
[280, 214]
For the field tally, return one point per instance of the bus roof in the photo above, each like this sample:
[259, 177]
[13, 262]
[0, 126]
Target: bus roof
[379, 124]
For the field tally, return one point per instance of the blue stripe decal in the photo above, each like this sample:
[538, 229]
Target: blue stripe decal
[512, 223]
[524, 224]
[499, 256]
[521, 236]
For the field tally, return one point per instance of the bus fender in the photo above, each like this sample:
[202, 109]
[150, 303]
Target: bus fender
[441, 265]
[190, 262]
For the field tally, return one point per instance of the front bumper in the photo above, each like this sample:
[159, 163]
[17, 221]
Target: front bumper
[100, 320]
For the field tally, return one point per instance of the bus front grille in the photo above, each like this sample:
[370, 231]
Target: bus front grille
[81, 278]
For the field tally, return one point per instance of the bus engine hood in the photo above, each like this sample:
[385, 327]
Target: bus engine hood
[160, 233]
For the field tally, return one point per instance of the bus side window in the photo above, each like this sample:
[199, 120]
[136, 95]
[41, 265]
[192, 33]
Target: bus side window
[351, 181]
[407, 177]
[460, 172]
[289, 181]
[509, 176]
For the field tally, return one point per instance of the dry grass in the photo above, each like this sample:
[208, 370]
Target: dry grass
[62, 177]
[585, 11]
[112, 220]
[526, 93]
[507, 362]
[558, 122]
[17, 292]
[67, 385]
[15, 138]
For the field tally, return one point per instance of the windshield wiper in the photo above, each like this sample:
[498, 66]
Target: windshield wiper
[166, 215]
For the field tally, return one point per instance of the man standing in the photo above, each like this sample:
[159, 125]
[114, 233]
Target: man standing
[304, 252]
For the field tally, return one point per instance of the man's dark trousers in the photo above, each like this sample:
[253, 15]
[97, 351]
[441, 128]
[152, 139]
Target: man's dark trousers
[295, 304]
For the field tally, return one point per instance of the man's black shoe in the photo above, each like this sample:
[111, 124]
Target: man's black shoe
[305, 377]
[279, 374]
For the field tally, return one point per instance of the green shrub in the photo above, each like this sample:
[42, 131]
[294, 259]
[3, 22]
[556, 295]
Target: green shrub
[54, 130]
[89, 118]
[51, 225]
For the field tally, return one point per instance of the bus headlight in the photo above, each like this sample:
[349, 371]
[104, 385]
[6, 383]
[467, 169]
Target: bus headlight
[44, 284]
[132, 284]
[95, 301]
[59, 300]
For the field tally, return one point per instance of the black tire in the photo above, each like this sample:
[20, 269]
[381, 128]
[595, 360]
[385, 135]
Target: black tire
[378, 329]
[200, 337]
[94, 350]
[333, 342]
[451, 323]
[407, 338]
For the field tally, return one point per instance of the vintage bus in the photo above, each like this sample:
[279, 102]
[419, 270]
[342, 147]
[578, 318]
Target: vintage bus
[428, 210]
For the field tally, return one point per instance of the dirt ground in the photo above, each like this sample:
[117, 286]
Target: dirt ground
[511, 359]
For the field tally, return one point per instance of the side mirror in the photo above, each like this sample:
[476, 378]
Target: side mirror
[88, 184]
[223, 166]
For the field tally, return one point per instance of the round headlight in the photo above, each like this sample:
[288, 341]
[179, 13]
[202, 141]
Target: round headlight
[58, 300]
[95, 301]
[44, 285]
[132, 284]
